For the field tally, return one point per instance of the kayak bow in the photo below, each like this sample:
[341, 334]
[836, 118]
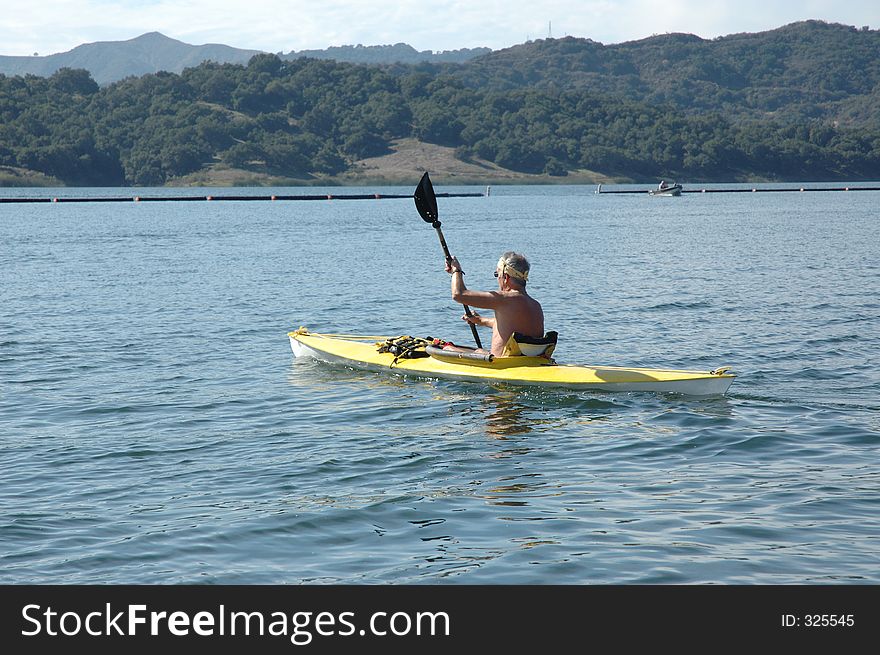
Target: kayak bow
[362, 352]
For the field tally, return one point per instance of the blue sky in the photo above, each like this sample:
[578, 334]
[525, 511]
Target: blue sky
[49, 26]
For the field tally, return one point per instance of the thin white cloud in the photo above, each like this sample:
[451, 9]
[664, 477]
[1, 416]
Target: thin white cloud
[48, 26]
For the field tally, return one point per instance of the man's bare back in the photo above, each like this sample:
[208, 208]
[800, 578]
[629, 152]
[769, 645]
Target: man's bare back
[515, 310]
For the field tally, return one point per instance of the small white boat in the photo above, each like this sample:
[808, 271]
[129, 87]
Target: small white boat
[664, 189]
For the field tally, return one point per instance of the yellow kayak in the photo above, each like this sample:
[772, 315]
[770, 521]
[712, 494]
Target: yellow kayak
[363, 352]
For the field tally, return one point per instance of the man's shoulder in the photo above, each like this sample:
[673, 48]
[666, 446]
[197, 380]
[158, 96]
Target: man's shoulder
[520, 296]
[519, 300]
[531, 301]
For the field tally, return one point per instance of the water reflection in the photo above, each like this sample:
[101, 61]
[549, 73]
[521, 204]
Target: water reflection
[514, 412]
[512, 416]
[310, 373]
[505, 415]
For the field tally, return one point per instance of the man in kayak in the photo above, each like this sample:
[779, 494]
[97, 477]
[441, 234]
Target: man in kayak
[515, 310]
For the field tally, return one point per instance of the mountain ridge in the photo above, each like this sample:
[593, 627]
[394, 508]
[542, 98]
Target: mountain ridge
[808, 69]
[152, 52]
[110, 61]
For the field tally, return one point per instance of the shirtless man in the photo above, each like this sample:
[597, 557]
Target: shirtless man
[515, 310]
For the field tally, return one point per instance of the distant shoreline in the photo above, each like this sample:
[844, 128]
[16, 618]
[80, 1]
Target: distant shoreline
[401, 167]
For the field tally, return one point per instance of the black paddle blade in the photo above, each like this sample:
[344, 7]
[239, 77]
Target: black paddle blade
[426, 201]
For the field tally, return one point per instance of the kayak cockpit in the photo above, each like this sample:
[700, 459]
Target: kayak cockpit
[519, 347]
[523, 345]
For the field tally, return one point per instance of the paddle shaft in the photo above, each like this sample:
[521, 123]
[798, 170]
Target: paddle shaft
[426, 204]
[467, 310]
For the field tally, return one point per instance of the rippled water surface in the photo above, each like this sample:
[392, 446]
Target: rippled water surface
[155, 427]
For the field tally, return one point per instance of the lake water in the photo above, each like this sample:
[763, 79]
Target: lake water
[155, 427]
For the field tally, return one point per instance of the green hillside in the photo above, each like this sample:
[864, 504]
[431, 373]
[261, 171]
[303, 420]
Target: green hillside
[801, 71]
[798, 103]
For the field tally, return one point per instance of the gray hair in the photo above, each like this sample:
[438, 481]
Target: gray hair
[516, 266]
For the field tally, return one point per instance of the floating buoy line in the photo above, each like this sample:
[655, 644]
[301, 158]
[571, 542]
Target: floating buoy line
[602, 191]
[238, 198]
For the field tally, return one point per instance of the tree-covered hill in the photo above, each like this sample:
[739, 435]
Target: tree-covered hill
[786, 104]
[804, 70]
[399, 53]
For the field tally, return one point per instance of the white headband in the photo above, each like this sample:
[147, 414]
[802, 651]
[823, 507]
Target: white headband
[511, 271]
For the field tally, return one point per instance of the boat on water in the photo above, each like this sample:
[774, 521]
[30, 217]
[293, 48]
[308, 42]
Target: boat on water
[524, 360]
[435, 359]
[665, 189]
